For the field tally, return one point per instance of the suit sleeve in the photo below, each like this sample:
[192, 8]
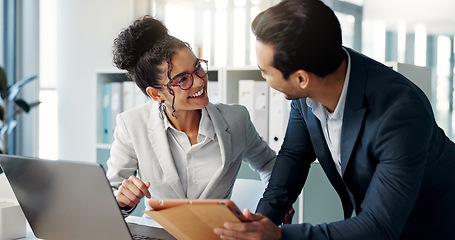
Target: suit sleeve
[122, 162]
[290, 170]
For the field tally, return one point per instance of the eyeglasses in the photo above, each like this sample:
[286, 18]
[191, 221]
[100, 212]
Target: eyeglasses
[185, 80]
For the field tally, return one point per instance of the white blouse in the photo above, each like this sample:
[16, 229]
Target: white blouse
[195, 163]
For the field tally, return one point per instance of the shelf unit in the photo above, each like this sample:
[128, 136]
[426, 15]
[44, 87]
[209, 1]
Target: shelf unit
[229, 84]
[103, 77]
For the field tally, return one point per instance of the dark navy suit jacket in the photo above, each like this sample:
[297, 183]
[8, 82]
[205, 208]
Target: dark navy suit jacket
[398, 167]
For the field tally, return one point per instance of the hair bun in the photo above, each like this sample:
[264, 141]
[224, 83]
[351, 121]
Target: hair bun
[134, 41]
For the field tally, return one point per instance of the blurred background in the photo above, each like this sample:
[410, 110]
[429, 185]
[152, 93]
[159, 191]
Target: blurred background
[66, 42]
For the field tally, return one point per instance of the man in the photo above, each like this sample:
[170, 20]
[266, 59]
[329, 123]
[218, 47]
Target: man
[372, 130]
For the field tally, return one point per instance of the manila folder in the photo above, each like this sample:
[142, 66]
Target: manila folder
[193, 221]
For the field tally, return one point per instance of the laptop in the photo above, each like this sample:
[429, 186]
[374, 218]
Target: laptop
[70, 200]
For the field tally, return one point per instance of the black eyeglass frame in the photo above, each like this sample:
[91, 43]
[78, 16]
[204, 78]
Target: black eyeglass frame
[179, 77]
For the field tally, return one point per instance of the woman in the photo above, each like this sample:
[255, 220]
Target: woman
[180, 146]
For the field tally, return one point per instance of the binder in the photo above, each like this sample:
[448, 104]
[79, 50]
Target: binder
[279, 109]
[213, 91]
[106, 114]
[254, 96]
[128, 95]
[139, 97]
[116, 105]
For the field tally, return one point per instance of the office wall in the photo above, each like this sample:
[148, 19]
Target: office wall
[86, 30]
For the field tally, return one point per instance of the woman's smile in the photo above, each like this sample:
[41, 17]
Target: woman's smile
[198, 94]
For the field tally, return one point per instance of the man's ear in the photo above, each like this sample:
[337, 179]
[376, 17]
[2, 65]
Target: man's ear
[302, 78]
[153, 93]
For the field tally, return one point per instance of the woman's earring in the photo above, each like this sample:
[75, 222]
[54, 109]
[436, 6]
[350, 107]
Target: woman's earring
[162, 109]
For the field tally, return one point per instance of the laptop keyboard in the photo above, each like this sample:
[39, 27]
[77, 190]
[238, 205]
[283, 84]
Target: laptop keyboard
[139, 231]
[139, 237]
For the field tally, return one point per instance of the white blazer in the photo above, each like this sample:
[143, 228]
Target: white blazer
[141, 146]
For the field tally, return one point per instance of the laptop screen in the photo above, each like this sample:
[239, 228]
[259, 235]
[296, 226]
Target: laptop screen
[65, 200]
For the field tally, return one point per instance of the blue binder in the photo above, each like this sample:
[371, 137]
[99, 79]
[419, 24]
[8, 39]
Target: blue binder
[107, 128]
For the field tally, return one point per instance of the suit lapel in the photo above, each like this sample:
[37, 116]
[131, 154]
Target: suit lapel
[320, 147]
[352, 123]
[158, 137]
[354, 111]
[325, 157]
[224, 140]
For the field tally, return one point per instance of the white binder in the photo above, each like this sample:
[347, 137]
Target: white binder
[213, 91]
[254, 96]
[279, 108]
[128, 95]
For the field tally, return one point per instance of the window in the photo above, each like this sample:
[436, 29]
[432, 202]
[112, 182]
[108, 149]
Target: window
[347, 22]
[2, 30]
[221, 33]
[182, 27]
[48, 110]
[350, 16]
[217, 30]
[19, 54]
[444, 88]
[412, 44]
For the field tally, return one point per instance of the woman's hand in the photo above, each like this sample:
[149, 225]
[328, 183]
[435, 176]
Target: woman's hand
[132, 191]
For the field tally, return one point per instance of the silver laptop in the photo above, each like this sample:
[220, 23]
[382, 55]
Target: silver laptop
[70, 200]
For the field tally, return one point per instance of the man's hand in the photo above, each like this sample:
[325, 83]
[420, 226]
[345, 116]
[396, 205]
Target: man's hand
[260, 227]
[289, 216]
[132, 191]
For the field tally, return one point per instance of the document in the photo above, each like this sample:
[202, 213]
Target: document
[194, 218]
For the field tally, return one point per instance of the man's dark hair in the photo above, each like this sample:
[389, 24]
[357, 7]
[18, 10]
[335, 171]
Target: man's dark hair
[305, 34]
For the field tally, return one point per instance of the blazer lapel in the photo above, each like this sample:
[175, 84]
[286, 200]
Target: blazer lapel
[325, 158]
[158, 138]
[224, 140]
[320, 147]
[354, 111]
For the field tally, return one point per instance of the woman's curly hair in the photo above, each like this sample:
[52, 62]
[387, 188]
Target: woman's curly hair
[141, 48]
